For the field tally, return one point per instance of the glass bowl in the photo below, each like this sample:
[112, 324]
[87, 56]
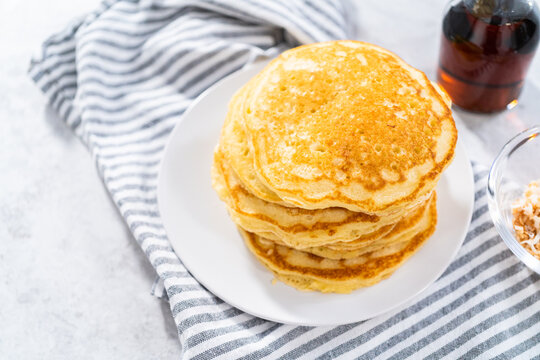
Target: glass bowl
[515, 167]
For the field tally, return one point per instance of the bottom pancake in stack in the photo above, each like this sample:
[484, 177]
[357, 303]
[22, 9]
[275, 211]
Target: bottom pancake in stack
[306, 271]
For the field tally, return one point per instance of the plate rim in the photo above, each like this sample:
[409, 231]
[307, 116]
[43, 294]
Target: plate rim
[160, 189]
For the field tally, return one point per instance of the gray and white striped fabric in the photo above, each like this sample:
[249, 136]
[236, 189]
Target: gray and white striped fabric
[122, 77]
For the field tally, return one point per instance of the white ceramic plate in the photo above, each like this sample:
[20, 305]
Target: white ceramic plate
[207, 242]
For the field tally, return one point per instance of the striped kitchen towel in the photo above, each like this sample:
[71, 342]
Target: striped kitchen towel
[122, 77]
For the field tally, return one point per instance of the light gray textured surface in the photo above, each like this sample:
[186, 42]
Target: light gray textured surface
[62, 236]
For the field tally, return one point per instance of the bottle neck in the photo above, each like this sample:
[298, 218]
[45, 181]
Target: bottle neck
[506, 10]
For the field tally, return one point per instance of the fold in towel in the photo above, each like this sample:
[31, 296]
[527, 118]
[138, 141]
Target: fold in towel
[122, 77]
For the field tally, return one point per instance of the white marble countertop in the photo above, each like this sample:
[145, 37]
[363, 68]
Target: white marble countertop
[74, 283]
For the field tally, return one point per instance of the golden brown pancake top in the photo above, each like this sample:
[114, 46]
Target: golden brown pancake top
[347, 124]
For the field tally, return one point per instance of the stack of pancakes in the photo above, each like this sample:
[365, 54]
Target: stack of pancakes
[328, 160]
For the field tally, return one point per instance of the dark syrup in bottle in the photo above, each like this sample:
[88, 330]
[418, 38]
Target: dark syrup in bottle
[486, 52]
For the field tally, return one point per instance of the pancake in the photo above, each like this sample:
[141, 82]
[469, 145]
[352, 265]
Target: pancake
[402, 231]
[235, 149]
[306, 271]
[341, 245]
[295, 227]
[346, 124]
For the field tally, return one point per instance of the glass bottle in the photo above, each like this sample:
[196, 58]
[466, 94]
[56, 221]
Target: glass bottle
[486, 49]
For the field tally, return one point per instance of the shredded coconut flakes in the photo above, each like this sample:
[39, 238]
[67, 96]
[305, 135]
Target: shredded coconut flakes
[526, 212]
